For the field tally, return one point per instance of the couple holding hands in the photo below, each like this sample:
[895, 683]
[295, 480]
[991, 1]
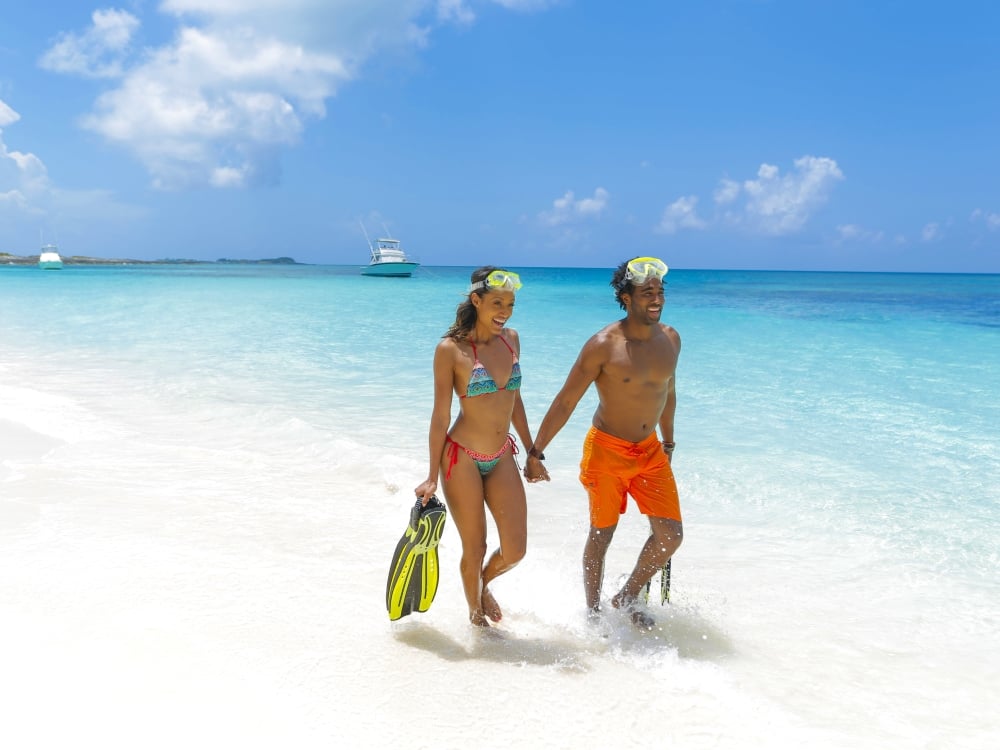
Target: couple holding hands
[632, 363]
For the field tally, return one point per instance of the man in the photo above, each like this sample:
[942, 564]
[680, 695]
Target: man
[632, 362]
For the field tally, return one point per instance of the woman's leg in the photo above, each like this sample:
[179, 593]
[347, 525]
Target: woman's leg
[463, 492]
[506, 501]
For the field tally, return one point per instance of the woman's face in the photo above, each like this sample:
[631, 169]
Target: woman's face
[494, 309]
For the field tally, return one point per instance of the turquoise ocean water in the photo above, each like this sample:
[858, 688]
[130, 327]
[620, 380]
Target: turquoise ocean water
[208, 466]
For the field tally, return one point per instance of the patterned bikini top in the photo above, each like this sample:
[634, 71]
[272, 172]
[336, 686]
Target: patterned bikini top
[481, 382]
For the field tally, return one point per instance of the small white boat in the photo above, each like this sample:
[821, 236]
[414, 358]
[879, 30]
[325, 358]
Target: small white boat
[48, 258]
[387, 258]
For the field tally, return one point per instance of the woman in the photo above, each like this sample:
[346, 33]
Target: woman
[477, 358]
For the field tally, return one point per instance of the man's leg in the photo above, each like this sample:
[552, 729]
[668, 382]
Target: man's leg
[665, 537]
[594, 551]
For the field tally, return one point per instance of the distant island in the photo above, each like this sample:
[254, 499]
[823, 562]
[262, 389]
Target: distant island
[7, 259]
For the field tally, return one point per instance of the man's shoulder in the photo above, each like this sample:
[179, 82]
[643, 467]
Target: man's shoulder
[611, 333]
[671, 333]
[614, 330]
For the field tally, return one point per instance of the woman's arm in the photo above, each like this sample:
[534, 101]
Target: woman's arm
[444, 377]
[519, 419]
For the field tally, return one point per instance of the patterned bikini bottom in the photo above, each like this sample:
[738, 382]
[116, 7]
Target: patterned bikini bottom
[485, 462]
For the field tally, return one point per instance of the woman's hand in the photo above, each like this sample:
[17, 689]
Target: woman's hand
[535, 471]
[426, 490]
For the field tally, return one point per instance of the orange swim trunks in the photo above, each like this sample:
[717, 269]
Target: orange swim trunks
[613, 468]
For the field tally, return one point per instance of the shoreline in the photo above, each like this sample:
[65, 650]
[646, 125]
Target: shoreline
[7, 259]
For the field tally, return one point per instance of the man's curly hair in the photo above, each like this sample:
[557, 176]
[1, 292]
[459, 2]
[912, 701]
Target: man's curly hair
[620, 284]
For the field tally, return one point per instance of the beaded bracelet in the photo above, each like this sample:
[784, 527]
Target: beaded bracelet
[668, 447]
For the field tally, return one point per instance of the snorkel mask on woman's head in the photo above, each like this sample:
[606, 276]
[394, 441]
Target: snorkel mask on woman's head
[498, 281]
[638, 270]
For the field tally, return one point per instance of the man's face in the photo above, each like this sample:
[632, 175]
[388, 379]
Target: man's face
[645, 304]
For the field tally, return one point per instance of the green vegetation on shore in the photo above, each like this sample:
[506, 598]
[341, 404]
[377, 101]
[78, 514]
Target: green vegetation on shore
[9, 259]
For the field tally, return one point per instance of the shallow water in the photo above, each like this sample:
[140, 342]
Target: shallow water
[204, 471]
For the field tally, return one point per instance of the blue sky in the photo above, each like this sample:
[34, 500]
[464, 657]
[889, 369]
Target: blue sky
[746, 134]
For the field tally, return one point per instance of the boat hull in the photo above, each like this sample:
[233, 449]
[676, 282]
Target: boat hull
[50, 261]
[389, 269]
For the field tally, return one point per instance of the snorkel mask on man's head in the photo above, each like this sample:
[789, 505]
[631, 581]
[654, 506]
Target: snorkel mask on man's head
[638, 270]
[634, 273]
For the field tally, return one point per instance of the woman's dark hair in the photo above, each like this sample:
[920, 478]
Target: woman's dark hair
[620, 284]
[465, 313]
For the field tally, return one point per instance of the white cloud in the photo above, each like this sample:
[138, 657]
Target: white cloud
[681, 214]
[593, 206]
[931, 232]
[991, 218]
[30, 200]
[727, 192]
[567, 209]
[455, 11]
[240, 79]
[856, 233]
[22, 176]
[228, 177]
[7, 115]
[772, 203]
[98, 52]
[779, 204]
[216, 103]
[526, 5]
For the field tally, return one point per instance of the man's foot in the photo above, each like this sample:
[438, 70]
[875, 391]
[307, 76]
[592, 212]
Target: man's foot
[597, 624]
[490, 607]
[478, 618]
[640, 618]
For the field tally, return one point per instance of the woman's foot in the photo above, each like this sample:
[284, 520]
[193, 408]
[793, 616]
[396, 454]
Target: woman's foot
[478, 618]
[490, 607]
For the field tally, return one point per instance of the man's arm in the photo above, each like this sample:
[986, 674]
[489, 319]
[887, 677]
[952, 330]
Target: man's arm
[584, 372]
[670, 407]
[667, 417]
[519, 419]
